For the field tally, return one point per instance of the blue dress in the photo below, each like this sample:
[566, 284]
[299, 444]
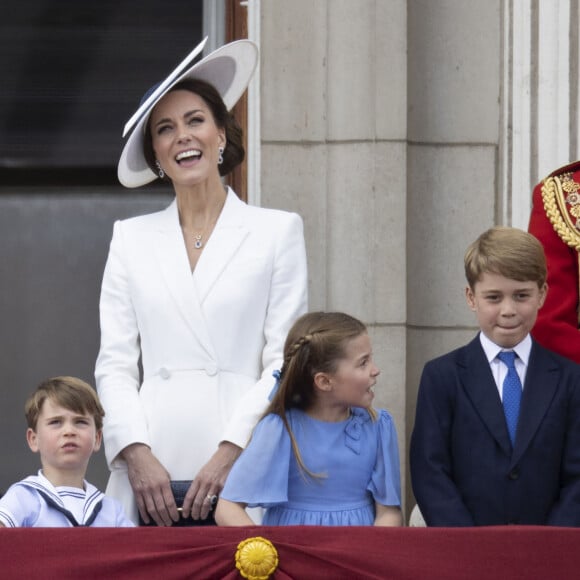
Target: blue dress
[358, 459]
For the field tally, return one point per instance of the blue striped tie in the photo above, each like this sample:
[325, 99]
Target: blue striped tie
[512, 393]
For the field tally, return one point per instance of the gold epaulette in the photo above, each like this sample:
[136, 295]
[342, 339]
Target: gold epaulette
[561, 197]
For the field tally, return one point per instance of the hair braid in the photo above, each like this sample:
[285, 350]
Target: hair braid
[306, 339]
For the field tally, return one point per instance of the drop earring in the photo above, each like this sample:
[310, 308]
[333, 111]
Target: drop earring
[221, 155]
[160, 171]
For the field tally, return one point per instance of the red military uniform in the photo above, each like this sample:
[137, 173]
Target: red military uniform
[555, 221]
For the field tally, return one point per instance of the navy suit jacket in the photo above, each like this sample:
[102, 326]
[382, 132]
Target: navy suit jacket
[464, 471]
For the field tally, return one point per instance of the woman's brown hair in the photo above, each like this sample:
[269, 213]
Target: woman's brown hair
[234, 152]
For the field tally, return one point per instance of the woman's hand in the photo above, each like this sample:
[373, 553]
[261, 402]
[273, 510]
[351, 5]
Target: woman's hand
[210, 481]
[150, 483]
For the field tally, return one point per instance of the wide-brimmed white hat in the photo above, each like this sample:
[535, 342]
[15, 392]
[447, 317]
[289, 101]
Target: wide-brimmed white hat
[228, 68]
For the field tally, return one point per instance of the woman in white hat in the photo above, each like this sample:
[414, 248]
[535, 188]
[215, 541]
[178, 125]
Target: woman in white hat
[202, 294]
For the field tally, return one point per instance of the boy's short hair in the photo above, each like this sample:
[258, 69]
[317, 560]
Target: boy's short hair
[509, 252]
[69, 392]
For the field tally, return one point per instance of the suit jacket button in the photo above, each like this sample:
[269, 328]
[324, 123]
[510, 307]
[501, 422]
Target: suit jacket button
[164, 373]
[211, 369]
[514, 474]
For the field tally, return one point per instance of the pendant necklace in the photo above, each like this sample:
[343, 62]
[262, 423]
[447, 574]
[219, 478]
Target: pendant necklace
[198, 238]
[198, 242]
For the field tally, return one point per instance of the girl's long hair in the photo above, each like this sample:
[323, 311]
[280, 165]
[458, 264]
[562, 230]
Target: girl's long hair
[316, 343]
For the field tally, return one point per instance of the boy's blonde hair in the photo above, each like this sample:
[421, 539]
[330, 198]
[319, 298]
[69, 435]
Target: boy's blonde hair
[68, 392]
[509, 252]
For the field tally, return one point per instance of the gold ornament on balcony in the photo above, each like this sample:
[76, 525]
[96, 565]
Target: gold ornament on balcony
[256, 558]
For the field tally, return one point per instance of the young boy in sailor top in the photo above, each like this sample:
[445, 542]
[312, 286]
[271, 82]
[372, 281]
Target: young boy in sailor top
[65, 421]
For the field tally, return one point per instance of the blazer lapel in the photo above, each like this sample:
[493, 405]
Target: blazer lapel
[171, 256]
[540, 388]
[479, 384]
[227, 237]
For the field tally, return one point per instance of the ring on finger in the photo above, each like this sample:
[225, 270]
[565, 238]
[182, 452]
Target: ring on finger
[211, 498]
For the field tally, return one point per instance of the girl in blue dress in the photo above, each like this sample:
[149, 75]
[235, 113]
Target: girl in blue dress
[321, 455]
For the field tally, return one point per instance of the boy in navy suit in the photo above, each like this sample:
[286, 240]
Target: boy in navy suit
[473, 462]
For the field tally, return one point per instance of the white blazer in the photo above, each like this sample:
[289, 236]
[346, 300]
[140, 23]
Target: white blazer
[208, 341]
